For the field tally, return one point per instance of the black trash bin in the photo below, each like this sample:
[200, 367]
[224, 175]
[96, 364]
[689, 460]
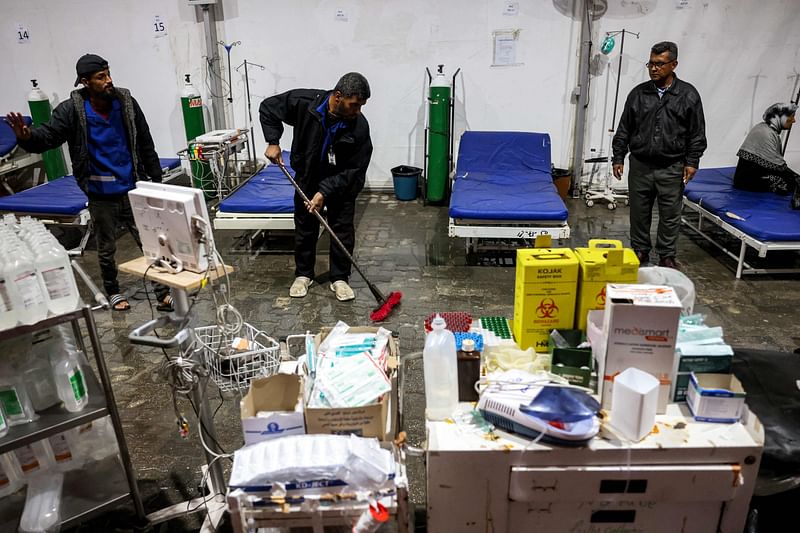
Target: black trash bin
[406, 180]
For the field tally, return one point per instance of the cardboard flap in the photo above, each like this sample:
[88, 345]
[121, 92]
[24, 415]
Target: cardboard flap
[275, 393]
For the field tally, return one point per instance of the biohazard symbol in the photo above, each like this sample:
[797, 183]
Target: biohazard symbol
[547, 308]
[600, 299]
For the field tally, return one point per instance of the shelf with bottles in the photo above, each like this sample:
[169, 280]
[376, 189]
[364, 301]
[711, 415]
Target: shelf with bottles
[56, 419]
[36, 278]
[86, 492]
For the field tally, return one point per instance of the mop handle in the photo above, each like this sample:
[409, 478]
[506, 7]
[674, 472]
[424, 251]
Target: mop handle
[328, 228]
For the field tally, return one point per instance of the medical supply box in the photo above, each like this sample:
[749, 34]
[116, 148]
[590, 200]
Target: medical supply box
[705, 364]
[604, 261]
[570, 362]
[640, 326]
[544, 295]
[280, 403]
[374, 420]
[715, 398]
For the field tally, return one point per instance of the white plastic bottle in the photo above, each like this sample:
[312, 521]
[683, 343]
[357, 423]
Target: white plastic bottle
[14, 397]
[441, 371]
[58, 281]
[37, 372]
[3, 422]
[10, 480]
[21, 272]
[8, 316]
[70, 382]
[42, 513]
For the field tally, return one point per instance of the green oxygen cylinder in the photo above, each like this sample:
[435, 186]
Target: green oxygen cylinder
[438, 137]
[194, 125]
[39, 104]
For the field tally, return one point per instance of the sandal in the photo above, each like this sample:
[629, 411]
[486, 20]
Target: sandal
[118, 302]
[166, 304]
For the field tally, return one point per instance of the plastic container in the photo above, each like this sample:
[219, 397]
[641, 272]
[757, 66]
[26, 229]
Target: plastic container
[37, 372]
[441, 371]
[406, 182]
[70, 382]
[3, 423]
[10, 479]
[15, 400]
[58, 281]
[27, 292]
[42, 512]
[8, 315]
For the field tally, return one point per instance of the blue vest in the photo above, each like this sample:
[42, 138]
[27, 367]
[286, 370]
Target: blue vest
[110, 163]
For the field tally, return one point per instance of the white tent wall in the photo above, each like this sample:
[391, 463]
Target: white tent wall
[741, 55]
[738, 53]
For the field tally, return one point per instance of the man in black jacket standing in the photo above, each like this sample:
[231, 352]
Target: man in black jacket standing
[331, 150]
[663, 127]
[111, 148]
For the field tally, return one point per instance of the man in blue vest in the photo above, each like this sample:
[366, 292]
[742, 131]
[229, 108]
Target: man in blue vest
[111, 148]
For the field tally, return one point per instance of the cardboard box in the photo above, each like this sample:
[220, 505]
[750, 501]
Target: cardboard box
[715, 398]
[701, 364]
[544, 294]
[640, 326]
[573, 363]
[604, 261]
[374, 420]
[278, 395]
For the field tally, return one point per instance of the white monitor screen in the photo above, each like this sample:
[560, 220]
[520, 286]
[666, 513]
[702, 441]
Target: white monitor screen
[166, 216]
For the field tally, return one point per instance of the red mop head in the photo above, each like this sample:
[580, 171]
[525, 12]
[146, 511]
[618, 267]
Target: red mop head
[381, 313]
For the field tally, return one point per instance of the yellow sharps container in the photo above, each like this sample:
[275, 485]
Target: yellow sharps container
[544, 294]
[604, 261]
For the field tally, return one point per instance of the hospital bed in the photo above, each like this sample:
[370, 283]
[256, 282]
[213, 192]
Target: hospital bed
[761, 220]
[264, 202]
[12, 160]
[503, 189]
[62, 202]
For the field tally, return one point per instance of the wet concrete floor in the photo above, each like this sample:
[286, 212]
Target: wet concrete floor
[402, 246]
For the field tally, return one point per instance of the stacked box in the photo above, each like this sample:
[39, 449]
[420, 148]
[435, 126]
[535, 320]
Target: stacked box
[544, 294]
[700, 364]
[604, 261]
[574, 364]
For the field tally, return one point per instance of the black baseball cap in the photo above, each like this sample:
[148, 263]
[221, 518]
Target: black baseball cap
[87, 65]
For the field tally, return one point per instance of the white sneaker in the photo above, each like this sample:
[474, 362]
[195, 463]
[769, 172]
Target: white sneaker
[343, 291]
[300, 287]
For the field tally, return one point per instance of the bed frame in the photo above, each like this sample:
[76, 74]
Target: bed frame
[762, 247]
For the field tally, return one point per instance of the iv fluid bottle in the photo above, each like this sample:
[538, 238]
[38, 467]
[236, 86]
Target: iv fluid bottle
[9, 477]
[30, 303]
[58, 281]
[8, 317]
[3, 422]
[14, 398]
[441, 371]
[70, 383]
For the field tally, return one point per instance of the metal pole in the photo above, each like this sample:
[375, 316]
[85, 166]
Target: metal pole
[789, 131]
[582, 94]
[619, 74]
[251, 149]
[212, 57]
[111, 405]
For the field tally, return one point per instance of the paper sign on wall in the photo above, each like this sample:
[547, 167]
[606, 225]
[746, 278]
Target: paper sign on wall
[505, 48]
[23, 34]
[340, 15]
[511, 9]
[159, 27]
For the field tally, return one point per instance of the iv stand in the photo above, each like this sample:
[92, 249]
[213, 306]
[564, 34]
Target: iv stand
[795, 101]
[607, 193]
[251, 145]
[228, 48]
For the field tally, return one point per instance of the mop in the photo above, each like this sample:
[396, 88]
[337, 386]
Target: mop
[385, 303]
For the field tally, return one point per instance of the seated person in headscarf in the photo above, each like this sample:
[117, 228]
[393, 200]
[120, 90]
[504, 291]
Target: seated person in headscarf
[761, 166]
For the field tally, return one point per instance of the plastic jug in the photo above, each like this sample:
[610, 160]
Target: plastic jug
[58, 281]
[8, 316]
[441, 371]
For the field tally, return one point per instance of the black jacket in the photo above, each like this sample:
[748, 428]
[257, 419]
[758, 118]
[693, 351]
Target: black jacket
[351, 144]
[662, 131]
[68, 124]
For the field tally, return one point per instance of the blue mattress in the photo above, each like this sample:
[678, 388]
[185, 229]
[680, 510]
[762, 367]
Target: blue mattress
[767, 216]
[169, 163]
[61, 196]
[8, 141]
[505, 176]
[58, 197]
[266, 192]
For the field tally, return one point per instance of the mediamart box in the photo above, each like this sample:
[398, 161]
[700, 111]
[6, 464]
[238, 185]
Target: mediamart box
[640, 327]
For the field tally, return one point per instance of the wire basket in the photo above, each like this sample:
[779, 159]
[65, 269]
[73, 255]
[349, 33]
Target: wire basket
[232, 369]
